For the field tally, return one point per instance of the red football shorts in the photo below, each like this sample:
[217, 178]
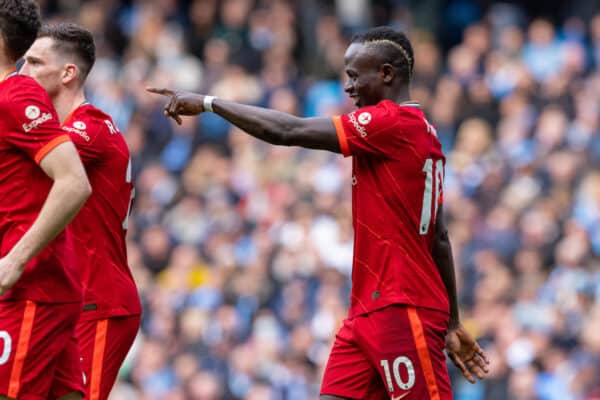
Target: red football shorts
[396, 352]
[39, 356]
[104, 344]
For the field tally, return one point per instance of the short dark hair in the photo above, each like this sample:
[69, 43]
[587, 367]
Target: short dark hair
[397, 49]
[19, 25]
[73, 40]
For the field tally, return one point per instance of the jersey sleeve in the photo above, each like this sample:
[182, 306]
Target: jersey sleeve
[35, 129]
[369, 130]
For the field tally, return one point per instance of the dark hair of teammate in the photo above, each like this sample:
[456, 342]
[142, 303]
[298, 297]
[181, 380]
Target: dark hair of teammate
[19, 25]
[71, 40]
[394, 46]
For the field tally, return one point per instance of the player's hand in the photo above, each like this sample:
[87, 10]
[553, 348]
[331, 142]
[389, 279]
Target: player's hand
[180, 103]
[466, 354]
[10, 272]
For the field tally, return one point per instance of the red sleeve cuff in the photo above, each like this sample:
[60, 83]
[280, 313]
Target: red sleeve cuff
[49, 146]
[341, 134]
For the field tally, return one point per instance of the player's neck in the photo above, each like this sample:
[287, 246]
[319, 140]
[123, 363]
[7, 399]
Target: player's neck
[6, 69]
[66, 102]
[402, 95]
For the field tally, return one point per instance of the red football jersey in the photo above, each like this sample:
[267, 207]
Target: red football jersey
[100, 227]
[398, 170]
[29, 129]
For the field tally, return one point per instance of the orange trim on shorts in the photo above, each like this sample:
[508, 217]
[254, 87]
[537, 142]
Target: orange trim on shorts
[423, 351]
[22, 347]
[341, 134]
[98, 358]
[48, 147]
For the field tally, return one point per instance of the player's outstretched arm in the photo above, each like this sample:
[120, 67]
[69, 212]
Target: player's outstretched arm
[462, 349]
[271, 126]
[68, 193]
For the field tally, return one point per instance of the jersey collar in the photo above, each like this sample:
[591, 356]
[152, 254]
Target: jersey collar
[410, 104]
[85, 103]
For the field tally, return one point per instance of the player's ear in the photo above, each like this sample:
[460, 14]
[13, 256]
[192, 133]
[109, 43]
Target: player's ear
[70, 73]
[388, 73]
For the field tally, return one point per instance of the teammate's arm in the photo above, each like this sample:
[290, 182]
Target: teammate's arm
[462, 349]
[271, 126]
[68, 193]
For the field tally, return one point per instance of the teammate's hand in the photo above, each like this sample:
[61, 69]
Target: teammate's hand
[466, 354]
[180, 103]
[10, 272]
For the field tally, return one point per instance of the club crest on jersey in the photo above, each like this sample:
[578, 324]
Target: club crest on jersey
[364, 118]
[32, 112]
[79, 125]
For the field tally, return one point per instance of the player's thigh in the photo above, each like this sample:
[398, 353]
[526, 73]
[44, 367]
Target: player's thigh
[32, 336]
[349, 373]
[68, 382]
[104, 344]
[407, 346]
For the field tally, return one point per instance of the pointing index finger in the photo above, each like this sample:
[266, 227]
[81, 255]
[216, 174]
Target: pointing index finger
[161, 91]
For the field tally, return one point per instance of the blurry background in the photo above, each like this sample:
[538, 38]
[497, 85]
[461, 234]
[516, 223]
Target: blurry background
[242, 251]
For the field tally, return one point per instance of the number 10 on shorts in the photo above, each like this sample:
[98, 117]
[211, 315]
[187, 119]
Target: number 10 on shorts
[398, 364]
[6, 347]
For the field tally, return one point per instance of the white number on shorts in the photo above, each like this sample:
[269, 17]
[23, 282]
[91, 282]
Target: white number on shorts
[438, 173]
[5, 337]
[396, 371]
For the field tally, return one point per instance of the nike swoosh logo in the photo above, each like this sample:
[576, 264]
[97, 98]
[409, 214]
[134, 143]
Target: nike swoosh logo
[401, 396]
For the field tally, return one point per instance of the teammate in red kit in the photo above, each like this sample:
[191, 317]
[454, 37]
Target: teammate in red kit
[404, 308]
[60, 60]
[43, 185]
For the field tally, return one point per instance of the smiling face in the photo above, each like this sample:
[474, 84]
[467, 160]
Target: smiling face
[366, 77]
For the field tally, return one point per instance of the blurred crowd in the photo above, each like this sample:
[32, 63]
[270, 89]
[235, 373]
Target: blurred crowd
[242, 251]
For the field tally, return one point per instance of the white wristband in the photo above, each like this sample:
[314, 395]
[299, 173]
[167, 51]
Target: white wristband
[207, 105]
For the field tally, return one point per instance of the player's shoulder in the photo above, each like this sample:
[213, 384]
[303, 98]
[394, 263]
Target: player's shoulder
[24, 102]
[391, 111]
[22, 81]
[90, 112]
[20, 87]
[91, 117]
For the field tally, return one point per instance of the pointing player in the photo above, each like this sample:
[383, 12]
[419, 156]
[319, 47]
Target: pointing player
[404, 307]
[42, 186]
[60, 60]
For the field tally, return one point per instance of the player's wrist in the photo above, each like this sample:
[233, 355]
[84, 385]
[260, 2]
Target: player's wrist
[454, 323]
[207, 103]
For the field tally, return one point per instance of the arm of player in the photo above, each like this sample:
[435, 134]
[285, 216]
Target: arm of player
[442, 255]
[67, 195]
[462, 349]
[271, 126]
